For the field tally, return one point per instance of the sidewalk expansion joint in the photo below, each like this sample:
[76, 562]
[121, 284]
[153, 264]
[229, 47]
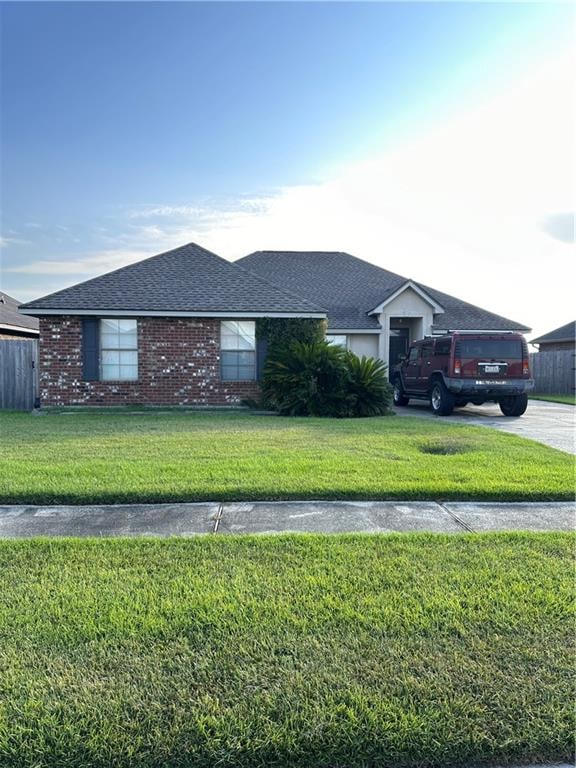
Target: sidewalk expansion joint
[455, 518]
[218, 518]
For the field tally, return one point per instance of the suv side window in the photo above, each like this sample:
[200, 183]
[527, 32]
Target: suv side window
[443, 347]
[414, 355]
[428, 350]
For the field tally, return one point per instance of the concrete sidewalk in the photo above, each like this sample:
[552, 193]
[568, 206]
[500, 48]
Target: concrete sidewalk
[284, 516]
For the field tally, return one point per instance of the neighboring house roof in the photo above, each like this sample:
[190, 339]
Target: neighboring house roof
[350, 288]
[12, 320]
[565, 333]
[186, 280]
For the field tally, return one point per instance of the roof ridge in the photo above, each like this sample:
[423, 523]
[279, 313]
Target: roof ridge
[265, 250]
[340, 253]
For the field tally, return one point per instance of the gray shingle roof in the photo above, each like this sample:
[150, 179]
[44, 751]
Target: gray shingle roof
[565, 333]
[9, 315]
[186, 279]
[349, 288]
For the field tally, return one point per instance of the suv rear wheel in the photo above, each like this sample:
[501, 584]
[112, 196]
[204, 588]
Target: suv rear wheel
[514, 405]
[399, 394]
[441, 400]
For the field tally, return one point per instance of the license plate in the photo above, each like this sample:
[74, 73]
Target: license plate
[490, 383]
[492, 369]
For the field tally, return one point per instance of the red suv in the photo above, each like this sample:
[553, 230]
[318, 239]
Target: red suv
[462, 368]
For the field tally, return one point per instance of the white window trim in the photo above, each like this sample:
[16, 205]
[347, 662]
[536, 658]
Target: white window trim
[117, 349]
[223, 350]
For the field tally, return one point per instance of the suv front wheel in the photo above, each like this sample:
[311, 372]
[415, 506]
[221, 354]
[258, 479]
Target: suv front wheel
[399, 394]
[441, 400]
[514, 405]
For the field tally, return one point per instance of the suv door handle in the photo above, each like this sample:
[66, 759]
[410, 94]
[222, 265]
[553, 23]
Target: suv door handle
[429, 362]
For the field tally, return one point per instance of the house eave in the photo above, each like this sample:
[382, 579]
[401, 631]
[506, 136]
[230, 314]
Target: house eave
[553, 341]
[18, 329]
[165, 313]
[444, 331]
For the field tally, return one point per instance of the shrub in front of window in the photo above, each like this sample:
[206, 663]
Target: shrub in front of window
[281, 331]
[321, 379]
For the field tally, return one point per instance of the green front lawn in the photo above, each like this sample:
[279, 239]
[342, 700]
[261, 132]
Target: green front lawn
[565, 399]
[191, 456]
[288, 651]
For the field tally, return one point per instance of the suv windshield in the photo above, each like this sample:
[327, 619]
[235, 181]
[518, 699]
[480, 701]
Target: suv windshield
[492, 349]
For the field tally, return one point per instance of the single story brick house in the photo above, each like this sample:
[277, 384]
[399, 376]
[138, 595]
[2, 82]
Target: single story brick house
[180, 328]
[559, 338]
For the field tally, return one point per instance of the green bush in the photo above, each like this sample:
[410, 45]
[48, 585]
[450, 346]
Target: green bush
[320, 379]
[306, 379]
[369, 391]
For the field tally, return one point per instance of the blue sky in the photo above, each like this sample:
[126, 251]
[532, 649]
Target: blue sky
[130, 127]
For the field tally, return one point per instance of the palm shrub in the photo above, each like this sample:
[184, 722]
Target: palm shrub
[306, 379]
[369, 392]
[320, 379]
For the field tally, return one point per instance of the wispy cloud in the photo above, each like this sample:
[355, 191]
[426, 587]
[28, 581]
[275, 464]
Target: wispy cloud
[165, 211]
[90, 265]
[6, 241]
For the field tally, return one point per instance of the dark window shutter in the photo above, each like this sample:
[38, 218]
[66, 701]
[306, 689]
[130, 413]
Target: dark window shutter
[90, 349]
[261, 355]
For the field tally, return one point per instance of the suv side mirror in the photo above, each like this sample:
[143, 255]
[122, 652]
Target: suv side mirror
[401, 358]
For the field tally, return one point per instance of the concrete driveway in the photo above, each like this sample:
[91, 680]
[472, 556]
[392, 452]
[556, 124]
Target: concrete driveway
[550, 423]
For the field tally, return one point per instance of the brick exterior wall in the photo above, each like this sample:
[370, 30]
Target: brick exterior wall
[178, 364]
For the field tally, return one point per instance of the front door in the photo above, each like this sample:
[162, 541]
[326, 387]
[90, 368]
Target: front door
[398, 345]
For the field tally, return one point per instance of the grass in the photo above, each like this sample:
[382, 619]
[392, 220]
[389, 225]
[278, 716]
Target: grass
[565, 399]
[289, 651]
[105, 458]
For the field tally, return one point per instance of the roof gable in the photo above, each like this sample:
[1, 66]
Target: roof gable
[409, 285]
[186, 280]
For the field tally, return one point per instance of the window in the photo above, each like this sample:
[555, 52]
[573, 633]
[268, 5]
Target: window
[337, 340]
[427, 350]
[414, 355]
[493, 349]
[443, 347]
[118, 350]
[238, 350]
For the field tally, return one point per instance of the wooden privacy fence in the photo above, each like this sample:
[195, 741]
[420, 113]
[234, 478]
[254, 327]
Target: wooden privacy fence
[553, 372]
[18, 374]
